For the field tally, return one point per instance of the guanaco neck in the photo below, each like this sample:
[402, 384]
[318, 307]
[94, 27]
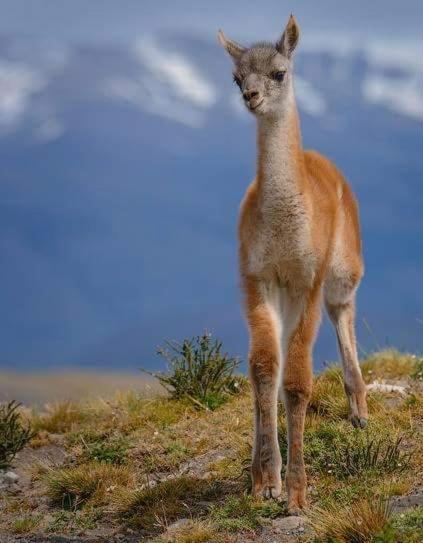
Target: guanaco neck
[280, 155]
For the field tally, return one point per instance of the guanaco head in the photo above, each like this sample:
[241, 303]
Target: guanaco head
[263, 72]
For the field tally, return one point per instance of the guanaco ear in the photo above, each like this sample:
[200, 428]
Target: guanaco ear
[234, 49]
[289, 39]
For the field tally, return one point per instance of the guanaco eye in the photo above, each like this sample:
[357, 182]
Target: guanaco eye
[237, 81]
[278, 76]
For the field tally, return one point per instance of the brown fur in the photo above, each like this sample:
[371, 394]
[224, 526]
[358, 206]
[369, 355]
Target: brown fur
[299, 242]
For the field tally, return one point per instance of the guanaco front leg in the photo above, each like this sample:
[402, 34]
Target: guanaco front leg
[303, 312]
[264, 365]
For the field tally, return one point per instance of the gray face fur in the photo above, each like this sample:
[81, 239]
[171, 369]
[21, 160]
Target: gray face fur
[263, 72]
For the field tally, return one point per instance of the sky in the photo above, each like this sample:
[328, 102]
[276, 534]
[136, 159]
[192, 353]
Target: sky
[107, 20]
[125, 152]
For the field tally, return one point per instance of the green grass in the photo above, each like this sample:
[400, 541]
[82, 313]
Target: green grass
[406, 527]
[73, 521]
[343, 452]
[244, 513]
[113, 451]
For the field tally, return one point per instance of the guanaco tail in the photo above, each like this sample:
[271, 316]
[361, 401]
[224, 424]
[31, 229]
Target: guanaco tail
[299, 243]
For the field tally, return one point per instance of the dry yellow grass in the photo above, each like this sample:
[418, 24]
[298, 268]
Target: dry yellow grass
[58, 417]
[72, 487]
[388, 364]
[359, 523]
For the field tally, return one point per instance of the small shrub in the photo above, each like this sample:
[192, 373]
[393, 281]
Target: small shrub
[199, 371]
[359, 523]
[72, 487]
[14, 435]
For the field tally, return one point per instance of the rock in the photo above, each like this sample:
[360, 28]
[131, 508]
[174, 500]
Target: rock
[287, 524]
[8, 480]
[178, 524]
[10, 477]
[386, 387]
[403, 503]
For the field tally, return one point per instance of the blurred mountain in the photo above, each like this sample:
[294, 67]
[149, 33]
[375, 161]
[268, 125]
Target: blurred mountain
[122, 171]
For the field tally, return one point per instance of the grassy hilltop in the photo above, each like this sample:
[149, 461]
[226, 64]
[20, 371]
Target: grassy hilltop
[176, 469]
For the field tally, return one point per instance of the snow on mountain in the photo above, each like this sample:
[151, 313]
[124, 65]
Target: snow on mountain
[396, 77]
[176, 84]
[309, 100]
[168, 85]
[18, 83]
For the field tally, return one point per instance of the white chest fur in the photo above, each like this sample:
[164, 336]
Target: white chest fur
[282, 234]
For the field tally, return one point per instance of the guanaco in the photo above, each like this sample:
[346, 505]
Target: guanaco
[299, 242]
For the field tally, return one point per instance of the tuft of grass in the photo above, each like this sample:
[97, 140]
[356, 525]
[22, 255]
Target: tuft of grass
[342, 452]
[14, 435]
[168, 499]
[244, 513]
[199, 371]
[25, 524]
[72, 487]
[379, 455]
[59, 418]
[361, 522]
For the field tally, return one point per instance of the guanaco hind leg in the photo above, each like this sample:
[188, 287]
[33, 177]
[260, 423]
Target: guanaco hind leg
[342, 316]
[340, 304]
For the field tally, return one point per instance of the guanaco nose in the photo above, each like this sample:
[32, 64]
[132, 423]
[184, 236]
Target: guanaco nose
[249, 94]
